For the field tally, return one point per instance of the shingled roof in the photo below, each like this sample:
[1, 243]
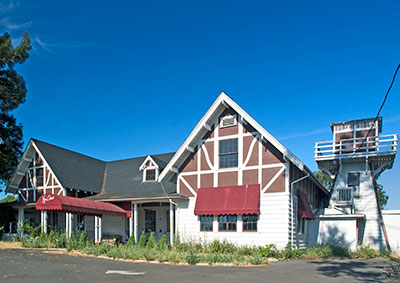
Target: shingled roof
[72, 169]
[109, 180]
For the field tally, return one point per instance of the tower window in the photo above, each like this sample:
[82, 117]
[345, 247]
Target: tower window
[353, 179]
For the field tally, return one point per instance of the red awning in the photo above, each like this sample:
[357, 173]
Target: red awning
[78, 206]
[304, 209]
[228, 200]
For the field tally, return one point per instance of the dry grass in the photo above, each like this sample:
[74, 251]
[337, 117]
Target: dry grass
[4, 245]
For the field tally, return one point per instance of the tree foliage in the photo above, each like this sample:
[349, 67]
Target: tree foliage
[324, 179]
[382, 196]
[12, 94]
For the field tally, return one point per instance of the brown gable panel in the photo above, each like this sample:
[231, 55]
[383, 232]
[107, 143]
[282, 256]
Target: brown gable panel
[228, 179]
[250, 177]
[184, 190]
[206, 180]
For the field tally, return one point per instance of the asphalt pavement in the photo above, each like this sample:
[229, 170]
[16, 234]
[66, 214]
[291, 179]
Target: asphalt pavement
[26, 265]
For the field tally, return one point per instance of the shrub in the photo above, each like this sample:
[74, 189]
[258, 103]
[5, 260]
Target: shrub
[256, 260]
[269, 250]
[163, 243]
[61, 240]
[72, 243]
[192, 258]
[142, 240]
[152, 242]
[222, 247]
[83, 241]
[366, 252]
[131, 242]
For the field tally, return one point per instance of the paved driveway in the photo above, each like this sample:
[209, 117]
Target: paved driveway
[24, 265]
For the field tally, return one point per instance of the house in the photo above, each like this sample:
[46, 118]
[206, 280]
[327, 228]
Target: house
[230, 179]
[354, 159]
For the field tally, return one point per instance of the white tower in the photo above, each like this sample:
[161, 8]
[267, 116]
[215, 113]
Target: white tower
[354, 159]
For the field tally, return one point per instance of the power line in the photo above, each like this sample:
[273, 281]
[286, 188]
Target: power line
[383, 103]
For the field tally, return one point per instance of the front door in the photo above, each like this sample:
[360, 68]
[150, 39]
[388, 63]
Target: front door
[150, 222]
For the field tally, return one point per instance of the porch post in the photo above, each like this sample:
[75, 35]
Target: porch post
[43, 221]
[135, 223]
[100, 232]
[96, 234]
[171, 223]
[131, 221]
[21, 218]
[97, 230]
[68, 224]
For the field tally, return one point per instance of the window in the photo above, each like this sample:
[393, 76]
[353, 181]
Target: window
[228, 153]
[206, 223]
[301, 225]
[227, 223]
[39, 177]
[150, 174]
[345, 194]
[150, 220]
[353, 179]
[250, 222]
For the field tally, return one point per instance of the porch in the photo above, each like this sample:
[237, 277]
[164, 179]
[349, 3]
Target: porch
[119, 219]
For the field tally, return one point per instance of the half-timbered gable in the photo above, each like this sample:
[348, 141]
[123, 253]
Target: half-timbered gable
[230, 151]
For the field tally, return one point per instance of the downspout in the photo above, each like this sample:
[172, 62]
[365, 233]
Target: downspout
[292, 203]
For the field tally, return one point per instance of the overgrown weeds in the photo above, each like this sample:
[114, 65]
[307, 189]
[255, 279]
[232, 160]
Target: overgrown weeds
[193, 252]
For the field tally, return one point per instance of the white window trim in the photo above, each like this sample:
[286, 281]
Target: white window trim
[150, 168]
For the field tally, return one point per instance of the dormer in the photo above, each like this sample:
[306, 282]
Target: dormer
[150, 169]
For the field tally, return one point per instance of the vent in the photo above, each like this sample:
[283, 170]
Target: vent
[228, 121]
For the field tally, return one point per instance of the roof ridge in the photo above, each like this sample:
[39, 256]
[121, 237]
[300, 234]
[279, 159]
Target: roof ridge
[62, 148]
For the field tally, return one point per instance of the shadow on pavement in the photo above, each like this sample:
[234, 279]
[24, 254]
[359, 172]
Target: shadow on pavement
[356, 269]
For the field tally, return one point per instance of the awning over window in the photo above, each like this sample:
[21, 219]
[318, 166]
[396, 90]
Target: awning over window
[304, 209]
[228, 200]
[78, 206]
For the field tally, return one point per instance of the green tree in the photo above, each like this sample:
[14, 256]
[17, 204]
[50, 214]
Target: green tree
[382, 196]
[9, 198]
[324, 179]
[12, 94]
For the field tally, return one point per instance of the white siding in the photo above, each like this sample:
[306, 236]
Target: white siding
[273, 225]
[392, 224]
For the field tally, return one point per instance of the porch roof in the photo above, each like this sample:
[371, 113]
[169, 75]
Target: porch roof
[78, 205]
[228, 200]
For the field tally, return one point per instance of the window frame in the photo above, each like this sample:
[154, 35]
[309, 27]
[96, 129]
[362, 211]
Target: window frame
[146, 171]
[358, 176]
[231, 153]
[227, 223]
[203, 223]
[249, 223]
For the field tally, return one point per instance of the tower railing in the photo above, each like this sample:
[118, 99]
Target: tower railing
[356, 147]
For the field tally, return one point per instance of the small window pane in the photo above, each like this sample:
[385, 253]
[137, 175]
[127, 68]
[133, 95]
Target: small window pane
[206, 223]
[227, 223]
[353, 179]
[39, 177]
[250, 222]
[150, 174]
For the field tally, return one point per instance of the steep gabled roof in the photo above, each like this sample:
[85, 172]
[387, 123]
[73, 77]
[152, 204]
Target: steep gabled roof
[123, 179]
[111, 180]
[72, 169]
[221, 103]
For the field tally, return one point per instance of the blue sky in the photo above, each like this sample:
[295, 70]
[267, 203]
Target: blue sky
[118, 79]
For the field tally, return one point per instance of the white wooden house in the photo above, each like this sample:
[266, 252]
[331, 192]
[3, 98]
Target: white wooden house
[230, 179]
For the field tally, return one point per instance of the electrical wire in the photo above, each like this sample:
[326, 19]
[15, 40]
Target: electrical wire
[380, 108]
